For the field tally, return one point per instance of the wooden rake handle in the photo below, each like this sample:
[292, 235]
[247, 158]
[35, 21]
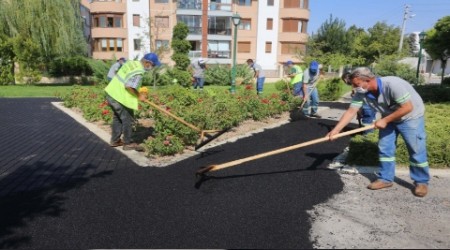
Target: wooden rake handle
[281, 150]
[173, 116]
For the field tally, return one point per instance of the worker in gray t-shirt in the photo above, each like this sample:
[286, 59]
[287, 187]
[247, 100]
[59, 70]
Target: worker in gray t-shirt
[402, 113]
[258, 74]
[198, 73]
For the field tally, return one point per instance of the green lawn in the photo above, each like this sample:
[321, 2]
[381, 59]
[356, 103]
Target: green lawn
[32, 90]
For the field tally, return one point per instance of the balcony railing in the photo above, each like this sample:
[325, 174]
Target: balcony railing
[195, 30]
[220, 6]
[225, 32]
[211, 54]
[219, 54]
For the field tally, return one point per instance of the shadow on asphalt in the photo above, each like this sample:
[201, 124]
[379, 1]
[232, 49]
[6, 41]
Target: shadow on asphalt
[104, 200]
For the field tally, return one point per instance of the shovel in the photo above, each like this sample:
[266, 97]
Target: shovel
[211, 168]
[209, 134]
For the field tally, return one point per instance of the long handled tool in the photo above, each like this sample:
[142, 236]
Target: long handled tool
[210, 134]
[281, 150]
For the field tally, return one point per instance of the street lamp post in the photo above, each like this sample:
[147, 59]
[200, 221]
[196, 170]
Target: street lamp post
[236, 21]
[421, 38]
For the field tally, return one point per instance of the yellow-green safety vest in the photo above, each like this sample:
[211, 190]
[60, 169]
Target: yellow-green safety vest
[299, 77]
[116, 87]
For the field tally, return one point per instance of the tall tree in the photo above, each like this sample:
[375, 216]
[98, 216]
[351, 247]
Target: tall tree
[55, 26]
[382, 40]
[437, 42]
[332, 36]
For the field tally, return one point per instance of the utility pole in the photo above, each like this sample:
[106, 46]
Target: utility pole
[406, 15]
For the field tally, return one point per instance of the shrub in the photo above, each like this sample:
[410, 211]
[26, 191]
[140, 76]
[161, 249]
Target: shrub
[434, 93]
[364, 149]
[330, 89]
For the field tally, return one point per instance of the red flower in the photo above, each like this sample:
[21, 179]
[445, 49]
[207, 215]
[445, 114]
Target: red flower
[266, 101]
[248, 87]
[105, 112]
[166, 143]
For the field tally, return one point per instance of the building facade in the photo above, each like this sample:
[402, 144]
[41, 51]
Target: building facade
[270, 31]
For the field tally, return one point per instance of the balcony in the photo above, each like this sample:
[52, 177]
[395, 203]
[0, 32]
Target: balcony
[108, 6]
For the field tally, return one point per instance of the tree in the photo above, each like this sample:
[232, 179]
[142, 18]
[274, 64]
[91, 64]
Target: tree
[332, 36]
[181, 47]
[437, 42]
[55, 27]
[381, 40]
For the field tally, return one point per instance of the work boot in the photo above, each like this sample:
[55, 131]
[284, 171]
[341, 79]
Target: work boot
[116, 143]
[421, 190]
[378, 184]
[133, 146]
[315, 115]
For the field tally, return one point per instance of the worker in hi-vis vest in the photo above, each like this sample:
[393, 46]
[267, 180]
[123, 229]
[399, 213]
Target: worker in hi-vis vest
[122, 94]
[295, 72]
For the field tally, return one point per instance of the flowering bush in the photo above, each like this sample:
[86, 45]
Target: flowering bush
[204, 110]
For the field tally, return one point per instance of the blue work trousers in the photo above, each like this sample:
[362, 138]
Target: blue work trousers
[313, 102]
[260, 85]
[199, 82]
[368, 116]
[414, 135]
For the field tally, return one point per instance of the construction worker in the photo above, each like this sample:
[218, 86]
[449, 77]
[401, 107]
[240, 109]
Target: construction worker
[259, 75]
[402, 111]
[311, 77]
[295, 73]
[122, 95]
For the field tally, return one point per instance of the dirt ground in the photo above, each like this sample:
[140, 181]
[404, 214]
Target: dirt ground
[387, 218]
[362, 218]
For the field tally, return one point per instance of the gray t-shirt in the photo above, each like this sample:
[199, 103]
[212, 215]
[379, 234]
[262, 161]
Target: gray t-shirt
[257, 68]
[309, 79]
[113, 70]
[394, 92]
[199, 71]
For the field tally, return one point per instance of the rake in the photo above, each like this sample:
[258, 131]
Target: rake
[211, 168]
[209, 134]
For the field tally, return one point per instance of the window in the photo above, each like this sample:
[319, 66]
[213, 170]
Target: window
[269, 24]
[244, 2]
[246, 24]
[162, 43]
[137, 44]
[294, 25]
[219, 25]
[268, 47]
[136, 20]
[107, 21]
[292, 48]
[162, 22]
[269, 2]
[194, 23]
[108, 44]
[243, 47]
[161, 1]
[219, 49]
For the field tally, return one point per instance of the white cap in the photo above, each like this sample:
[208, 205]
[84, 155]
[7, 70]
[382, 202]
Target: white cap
[201, 61]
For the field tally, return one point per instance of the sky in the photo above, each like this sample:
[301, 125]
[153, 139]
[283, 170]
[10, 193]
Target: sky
[366, 13]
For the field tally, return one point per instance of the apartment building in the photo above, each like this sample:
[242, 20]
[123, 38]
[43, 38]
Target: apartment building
[270, 31]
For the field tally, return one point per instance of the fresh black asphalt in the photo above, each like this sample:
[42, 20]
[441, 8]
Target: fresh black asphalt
[62, 187]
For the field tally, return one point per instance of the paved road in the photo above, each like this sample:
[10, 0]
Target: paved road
[63, 187]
